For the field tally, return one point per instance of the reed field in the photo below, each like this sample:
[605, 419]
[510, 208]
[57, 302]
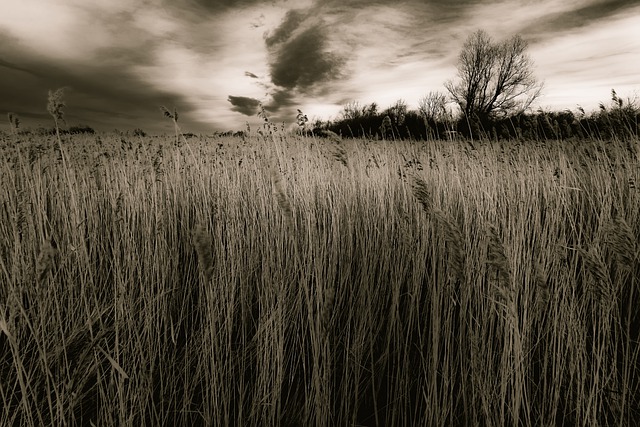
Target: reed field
[288, 280]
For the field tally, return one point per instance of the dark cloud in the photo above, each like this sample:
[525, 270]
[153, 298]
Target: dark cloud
[304, 61]
[14, 67]
[580, 17]
[216, 5]
[250, 74]
[104, 97]
[596, 11]
[289, 24]
[103, 92]
[301, 60]
[280, 99]
[244, 105]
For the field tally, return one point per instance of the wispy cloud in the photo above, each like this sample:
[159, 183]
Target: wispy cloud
[584, 63]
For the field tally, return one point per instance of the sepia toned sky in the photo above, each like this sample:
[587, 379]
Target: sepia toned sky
[217, 60]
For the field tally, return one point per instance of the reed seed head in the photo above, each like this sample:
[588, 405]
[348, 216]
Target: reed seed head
[46, 260]
[422, 194]
[496, 256]
[454, 243]
[341, 155]
[56, 103]
[622, 242]
[600, 287]
[281, 197]
[202, 243]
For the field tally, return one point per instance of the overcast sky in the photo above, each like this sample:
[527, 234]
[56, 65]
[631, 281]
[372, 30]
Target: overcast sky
[216, 60]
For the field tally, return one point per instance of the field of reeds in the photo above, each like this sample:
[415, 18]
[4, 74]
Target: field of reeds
[282, 280]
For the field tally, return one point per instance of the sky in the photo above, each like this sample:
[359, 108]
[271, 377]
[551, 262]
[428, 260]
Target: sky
[217, 61]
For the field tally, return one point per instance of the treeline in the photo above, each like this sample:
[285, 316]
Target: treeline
[42, 131]
[619, 120]
[493, 92]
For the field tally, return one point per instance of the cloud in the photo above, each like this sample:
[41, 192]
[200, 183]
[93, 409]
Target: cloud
[302, 58]
[216, 6]
[583, 65]
[14, 67]
[289, 24]
[280, 99]
[304, 61]
[103, 95]
[581, 15]
[244, 105]
[549, 22]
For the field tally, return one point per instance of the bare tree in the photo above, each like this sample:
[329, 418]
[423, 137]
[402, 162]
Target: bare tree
[397, 112]
[433, 109]
[352, 111]
[370, 110]
[433, 106]
[494, 79]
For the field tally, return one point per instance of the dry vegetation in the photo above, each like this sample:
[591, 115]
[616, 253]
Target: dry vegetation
[300, 281]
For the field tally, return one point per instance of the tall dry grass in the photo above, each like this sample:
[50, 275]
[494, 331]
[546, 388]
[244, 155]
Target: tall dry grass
[293, 281]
